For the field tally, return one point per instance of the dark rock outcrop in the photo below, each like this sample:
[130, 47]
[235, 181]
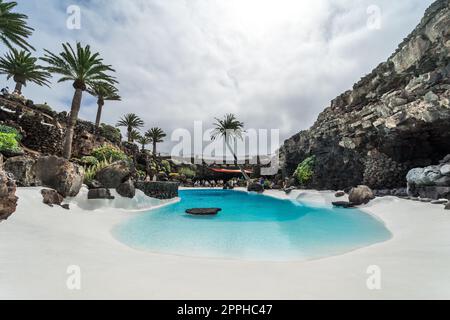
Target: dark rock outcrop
[127, 189]
[430, 182]
[113, 175]
[395, 119]
[60, 174]
[8, 199]
[158, 190]
[51, 197]
[360, 195]
[255, 187]
[23, 168]
[101, 193]
[203, 211]
[339, 194]
[343, 204]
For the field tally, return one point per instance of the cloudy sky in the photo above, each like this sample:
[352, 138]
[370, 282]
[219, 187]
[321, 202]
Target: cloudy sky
[276, 64]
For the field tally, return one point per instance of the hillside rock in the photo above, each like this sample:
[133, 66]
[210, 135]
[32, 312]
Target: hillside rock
[395, 119]
[8, 199]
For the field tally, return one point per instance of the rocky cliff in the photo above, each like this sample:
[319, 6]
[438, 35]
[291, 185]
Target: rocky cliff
[394, 119]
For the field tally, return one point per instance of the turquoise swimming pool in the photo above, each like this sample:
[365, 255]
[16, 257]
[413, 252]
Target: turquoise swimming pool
[250, 227]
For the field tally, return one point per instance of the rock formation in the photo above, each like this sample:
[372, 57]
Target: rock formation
[8, 199]
[395, 119]
[114, 175]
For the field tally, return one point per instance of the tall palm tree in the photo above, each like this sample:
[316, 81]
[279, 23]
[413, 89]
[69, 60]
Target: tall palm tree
[13, 27]
[143, 141]
[230, 129]
[103, 92]
[131, 121]
[22, 67]
[82, 67]
[156, 135]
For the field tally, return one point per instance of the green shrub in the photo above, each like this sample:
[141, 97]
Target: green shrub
[166, 166]
[187, 172]
[111, 133]
[91, 171]
[109, 153]
[305, 170]
[8, 142]
[141, 174]
[11, 130]
[89, 161]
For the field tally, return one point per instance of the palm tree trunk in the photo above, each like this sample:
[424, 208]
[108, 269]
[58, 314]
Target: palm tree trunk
[129, 135]
[154, 149]
[73, 117]
[99, 115]
[18, 87]
[246, 177]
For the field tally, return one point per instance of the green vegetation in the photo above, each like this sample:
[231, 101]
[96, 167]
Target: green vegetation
[141, 174]
[82, 67]
[111, 133]
[13, 27]
[8, 142]
[11, 130]
[131, 121]
[103, 92]
[109, 153]
[89, 161]
[305, 170]
[166, 166]
[187, 172]
[91, 171]
[156, 135]
[22, 67]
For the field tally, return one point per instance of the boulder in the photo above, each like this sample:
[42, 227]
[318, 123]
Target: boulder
[100, 193]
[203, 211]
[51, 197]
[447, 206]
[343, 204]
[60, 174]
[23, 168]
[127, 189]
[445, 170]
[94, 184]
[113, 175]
[361, 195]
[8, 199]
[255, 187]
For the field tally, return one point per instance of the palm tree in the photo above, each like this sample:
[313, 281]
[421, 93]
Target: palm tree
[13, 27]
[135, 135]
[83, 68]
[22, 67]
[143, 141]
[130, 121]
[230, 129]
[103, 92]
[155, 135]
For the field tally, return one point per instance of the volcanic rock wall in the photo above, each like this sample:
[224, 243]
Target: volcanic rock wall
[396, 118]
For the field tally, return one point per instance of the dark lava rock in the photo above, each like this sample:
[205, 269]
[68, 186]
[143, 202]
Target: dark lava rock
[447, 207]
[113, 175]
[289, 190]
[127, 189]
[101, 193]
[255, 187]
[8, 199]
[51, 197]
[339, 194]
[361, 195]
[94, 184]
[343, 204]
[203, 211]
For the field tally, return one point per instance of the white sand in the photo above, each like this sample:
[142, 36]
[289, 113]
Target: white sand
[38, 243]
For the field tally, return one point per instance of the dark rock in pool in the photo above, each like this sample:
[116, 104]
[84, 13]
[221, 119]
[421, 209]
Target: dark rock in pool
[101, 193]
[339, 194]
[51, 197]
[203, 211]
[255, 187]
[343, 204]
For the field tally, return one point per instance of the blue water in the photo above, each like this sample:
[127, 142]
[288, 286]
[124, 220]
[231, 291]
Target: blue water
[250, 227]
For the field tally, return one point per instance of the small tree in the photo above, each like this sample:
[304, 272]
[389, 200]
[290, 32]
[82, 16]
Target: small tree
[131, 121]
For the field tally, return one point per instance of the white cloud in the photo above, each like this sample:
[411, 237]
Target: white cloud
[275, 63]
